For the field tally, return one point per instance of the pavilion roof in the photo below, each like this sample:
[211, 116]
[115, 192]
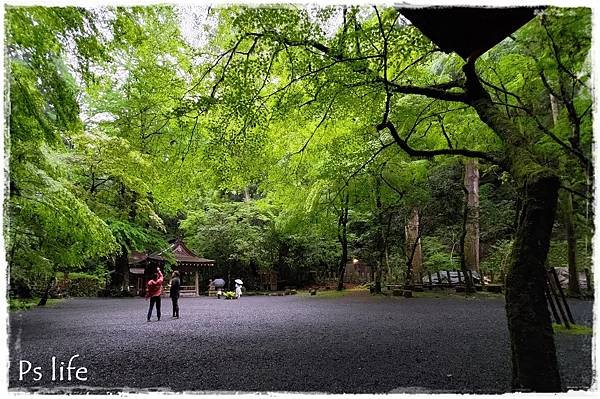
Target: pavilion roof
[137, 257]
[182, 254]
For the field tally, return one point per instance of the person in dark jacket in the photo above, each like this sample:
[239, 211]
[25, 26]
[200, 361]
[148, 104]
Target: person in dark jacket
[174, 292]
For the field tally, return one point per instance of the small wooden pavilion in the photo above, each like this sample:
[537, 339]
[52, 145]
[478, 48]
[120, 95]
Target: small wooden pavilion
[194, 270]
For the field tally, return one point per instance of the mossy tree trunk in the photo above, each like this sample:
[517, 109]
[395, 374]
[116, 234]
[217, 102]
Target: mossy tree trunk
[532, 343]
[534, 362]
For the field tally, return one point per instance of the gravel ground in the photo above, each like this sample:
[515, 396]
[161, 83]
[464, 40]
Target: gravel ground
[352, 344]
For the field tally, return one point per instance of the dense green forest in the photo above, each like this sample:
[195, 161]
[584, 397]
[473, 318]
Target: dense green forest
[295, 139]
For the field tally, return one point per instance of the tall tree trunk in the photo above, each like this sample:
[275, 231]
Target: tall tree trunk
[120, 278]
[46, 294]
[469, 288]
[381, 235]
[343, 239]
[534, 360]
[123, 267]
[414, 256]
[532, 343]
[471, 241]
[568, 219]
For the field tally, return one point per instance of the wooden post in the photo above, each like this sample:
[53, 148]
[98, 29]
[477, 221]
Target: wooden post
[551, 302]
[559, 306]
[562, 295]
[197, 284]
[470, 273]
[439, 276]
[430, 280]
[459, 279]
[449, 279]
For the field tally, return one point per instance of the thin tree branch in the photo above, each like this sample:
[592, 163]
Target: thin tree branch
[428, 154]
[318, 126]
[577, 193]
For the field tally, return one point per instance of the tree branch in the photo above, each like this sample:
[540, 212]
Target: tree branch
[428, 91]
[428, 154]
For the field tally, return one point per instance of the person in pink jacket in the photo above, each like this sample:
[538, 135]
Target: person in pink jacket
[153, 291]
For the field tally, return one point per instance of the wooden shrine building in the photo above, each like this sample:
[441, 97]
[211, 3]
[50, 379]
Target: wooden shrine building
[194, 271]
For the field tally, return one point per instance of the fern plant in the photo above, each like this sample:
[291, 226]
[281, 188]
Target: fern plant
[229, 295]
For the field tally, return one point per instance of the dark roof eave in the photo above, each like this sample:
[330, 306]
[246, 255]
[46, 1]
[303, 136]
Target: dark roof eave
[191, 260]
[468, 31]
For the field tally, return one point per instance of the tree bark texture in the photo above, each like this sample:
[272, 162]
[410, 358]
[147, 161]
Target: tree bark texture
[469, 288]
[532, 342]
[414, 255]
[471, 245]
[381, 242]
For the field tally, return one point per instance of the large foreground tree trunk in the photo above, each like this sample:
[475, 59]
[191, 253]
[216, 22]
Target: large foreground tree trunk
[531, 335]
[535, 367]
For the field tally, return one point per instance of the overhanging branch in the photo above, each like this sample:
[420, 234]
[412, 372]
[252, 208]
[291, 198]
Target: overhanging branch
[433, 153]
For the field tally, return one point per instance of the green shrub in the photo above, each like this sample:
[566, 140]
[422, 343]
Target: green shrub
[22, 304]
[15, 304]
[80, 285]
[575, 329]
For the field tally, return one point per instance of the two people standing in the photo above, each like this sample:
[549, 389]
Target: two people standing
[154, 291]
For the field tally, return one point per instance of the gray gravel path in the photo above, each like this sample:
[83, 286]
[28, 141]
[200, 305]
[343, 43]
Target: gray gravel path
[354, 344]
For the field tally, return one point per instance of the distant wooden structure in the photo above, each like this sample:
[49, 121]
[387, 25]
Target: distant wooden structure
[268, 280]
[194, 270]
[357, 272]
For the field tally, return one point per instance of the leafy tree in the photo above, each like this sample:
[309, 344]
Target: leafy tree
[235, 234]
[49, 228]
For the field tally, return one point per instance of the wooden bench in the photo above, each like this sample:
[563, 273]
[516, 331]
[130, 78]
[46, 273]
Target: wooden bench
[183, 290]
